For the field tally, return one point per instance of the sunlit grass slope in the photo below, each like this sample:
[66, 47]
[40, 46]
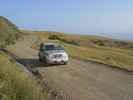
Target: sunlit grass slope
[8, 32]
[15, 84]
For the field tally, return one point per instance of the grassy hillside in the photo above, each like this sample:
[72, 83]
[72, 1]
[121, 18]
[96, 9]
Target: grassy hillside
[94, 48]
[8, 32]
[15, 84]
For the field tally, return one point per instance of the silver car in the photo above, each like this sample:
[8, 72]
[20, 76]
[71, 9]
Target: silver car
[52, 53]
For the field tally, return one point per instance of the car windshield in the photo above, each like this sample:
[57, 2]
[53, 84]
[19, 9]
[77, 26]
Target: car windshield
[53, 47]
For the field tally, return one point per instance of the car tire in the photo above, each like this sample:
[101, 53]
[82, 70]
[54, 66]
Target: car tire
[40, 59]
[65, 63]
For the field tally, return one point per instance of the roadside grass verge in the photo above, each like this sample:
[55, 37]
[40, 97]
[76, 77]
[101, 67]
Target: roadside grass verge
[110, 56]
[16, 84]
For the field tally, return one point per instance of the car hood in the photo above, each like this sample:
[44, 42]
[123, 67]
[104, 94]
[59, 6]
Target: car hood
[55, 52]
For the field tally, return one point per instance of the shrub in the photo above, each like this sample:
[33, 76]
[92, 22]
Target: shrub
[8, 32]
[56, 37]
[99, 42]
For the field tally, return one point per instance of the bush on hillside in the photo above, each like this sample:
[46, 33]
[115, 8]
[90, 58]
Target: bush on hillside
[99, 42]
[54, 37]
[57, 37]
[8, 32]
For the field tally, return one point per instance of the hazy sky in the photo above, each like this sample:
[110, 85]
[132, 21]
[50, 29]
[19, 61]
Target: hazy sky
[104, 17]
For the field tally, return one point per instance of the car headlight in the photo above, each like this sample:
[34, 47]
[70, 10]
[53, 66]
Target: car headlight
[65, 56]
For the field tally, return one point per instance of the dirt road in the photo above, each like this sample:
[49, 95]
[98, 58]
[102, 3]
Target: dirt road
[80, 80]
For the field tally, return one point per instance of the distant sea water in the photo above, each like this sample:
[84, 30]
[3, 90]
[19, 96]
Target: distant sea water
[120, 36]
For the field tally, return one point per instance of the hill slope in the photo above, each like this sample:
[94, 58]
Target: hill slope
[15, 83]
[8, 32]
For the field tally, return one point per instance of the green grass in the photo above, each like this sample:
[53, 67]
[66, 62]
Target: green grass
[94, 48]
[15, 84]
[8, 32]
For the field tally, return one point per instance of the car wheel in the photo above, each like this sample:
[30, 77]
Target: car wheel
[46, 63]
[40, 59]
[65, 63]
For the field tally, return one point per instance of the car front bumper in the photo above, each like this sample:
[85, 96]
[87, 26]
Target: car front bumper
[57, 61]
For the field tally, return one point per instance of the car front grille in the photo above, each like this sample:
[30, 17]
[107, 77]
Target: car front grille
[57, 56]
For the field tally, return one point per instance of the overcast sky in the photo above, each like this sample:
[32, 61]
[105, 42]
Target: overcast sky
[112, 18]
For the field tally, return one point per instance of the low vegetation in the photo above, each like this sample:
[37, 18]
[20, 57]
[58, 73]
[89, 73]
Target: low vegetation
[15, 84]
[8, 32]
[99, 49]
[56, 37]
